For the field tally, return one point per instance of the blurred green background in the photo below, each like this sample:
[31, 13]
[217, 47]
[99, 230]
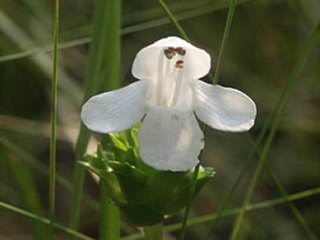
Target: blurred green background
[265, 41]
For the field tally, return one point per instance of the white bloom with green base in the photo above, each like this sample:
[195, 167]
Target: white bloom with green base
[168, 97]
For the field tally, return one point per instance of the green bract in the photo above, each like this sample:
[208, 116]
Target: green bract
[144, 195]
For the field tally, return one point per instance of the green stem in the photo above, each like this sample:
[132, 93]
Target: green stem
[294, 77]
[109, 216]
[43, 220]
[78, 177]
[188, 207]
[249, 208]
[174, 20]
[96, 57]
[52, 176]
[232, 7]
[154, 232]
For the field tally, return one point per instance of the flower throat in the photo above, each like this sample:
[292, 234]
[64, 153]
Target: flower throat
[169, 77]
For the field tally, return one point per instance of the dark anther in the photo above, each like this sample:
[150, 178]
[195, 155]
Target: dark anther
[181, 51]
[179, 64]
[169, 52]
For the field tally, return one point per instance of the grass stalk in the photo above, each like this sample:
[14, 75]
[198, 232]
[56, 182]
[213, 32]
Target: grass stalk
[109, 216]
[153, 232]
[231, 10]
[293, 78]
[109, 213]
[249, 208]
[188, 207]
[173, 20]
[52, 175]
[43, 220]
[96, 58]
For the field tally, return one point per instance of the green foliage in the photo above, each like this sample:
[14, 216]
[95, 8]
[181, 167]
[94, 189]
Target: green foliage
[144, 195]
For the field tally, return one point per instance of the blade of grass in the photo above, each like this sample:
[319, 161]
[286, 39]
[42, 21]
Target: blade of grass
[52, 175]
[109, 228]
[153, 232]
[27, 190]
[173, 20]
[109, 213]
[96, 58]
[232, 7]
[293, 79]
[43, 220]
[235, 211]
[249, 208]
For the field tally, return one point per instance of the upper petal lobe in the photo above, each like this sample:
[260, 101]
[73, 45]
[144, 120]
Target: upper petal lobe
[197, 62]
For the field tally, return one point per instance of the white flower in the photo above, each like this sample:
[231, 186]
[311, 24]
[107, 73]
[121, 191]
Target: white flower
[167, 98]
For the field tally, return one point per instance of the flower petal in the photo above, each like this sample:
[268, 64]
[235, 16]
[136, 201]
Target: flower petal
[223, 108]
[115, 111]
[170, 139]
[196, 61]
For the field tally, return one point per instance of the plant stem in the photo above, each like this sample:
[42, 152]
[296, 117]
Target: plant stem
[96, 57]
[188, 207]
[174, 20]
[153, 232]
[43, 220]
[52, 176]
[232, 7]
[109, 216]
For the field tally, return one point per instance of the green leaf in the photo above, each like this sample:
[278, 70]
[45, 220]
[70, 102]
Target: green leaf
[181, 197]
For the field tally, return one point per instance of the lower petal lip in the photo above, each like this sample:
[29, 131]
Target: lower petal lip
[170, 139]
